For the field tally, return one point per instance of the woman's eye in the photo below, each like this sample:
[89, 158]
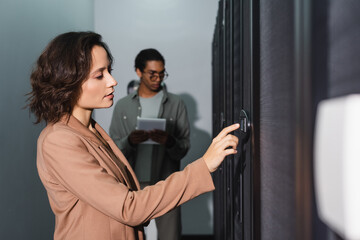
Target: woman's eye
[100, 77]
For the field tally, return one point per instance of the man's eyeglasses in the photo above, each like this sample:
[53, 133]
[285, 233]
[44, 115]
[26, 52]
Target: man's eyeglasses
[154, 75]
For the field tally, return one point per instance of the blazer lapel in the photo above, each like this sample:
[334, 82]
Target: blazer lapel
[129, 171]
[119, 168]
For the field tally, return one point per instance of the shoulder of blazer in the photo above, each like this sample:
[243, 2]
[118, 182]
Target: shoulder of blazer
[60, 130]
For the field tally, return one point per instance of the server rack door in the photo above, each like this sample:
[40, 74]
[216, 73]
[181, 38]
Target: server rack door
[242, 104]
[218, 120]
[232, 98]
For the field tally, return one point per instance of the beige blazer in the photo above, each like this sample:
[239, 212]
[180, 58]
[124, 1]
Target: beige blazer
[94, 192]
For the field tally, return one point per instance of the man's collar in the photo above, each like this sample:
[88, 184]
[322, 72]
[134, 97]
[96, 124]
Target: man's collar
[135, 94]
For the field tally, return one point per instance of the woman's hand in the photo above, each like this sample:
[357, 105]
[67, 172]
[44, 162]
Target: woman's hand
[219, 148]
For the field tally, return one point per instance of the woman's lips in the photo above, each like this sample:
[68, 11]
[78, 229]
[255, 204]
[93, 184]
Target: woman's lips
[111, 95]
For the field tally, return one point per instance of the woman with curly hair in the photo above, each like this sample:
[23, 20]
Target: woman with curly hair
[91, 187]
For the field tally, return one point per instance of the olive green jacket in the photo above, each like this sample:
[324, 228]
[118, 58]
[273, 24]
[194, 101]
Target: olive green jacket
[164, 160]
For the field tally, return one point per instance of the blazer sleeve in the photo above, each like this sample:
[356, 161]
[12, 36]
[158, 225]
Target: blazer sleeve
[68, 160]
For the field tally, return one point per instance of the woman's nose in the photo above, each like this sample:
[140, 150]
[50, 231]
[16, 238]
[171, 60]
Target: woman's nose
[112, 81]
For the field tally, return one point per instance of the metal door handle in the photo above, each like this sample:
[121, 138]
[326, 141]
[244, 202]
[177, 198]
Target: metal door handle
[244, 126]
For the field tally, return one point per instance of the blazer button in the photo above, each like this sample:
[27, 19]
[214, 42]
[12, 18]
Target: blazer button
[124, 117]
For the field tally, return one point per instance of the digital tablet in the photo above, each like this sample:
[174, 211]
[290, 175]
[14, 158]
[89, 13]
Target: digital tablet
[148, 124]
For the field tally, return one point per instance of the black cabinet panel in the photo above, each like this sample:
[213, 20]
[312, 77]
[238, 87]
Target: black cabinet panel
[276, 60]
[232, 82]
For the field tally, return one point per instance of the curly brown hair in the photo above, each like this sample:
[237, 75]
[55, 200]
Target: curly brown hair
[59, 73]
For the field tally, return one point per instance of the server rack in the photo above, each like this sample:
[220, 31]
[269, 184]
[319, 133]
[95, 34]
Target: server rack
[232, 102]
[273, 61]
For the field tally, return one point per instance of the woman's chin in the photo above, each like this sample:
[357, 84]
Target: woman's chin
[105, 106]
[110, 104]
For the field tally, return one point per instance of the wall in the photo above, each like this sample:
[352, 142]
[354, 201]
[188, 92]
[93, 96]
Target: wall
[182, 31]
[25, 29]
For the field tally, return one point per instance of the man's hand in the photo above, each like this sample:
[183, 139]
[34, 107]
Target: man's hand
[162, 137]
[138, 136]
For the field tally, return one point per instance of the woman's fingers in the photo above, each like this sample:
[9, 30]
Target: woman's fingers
[228, 145]
[228, 130]
[230, 151]
[231, 142]
[223, 145]
[228, 141]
